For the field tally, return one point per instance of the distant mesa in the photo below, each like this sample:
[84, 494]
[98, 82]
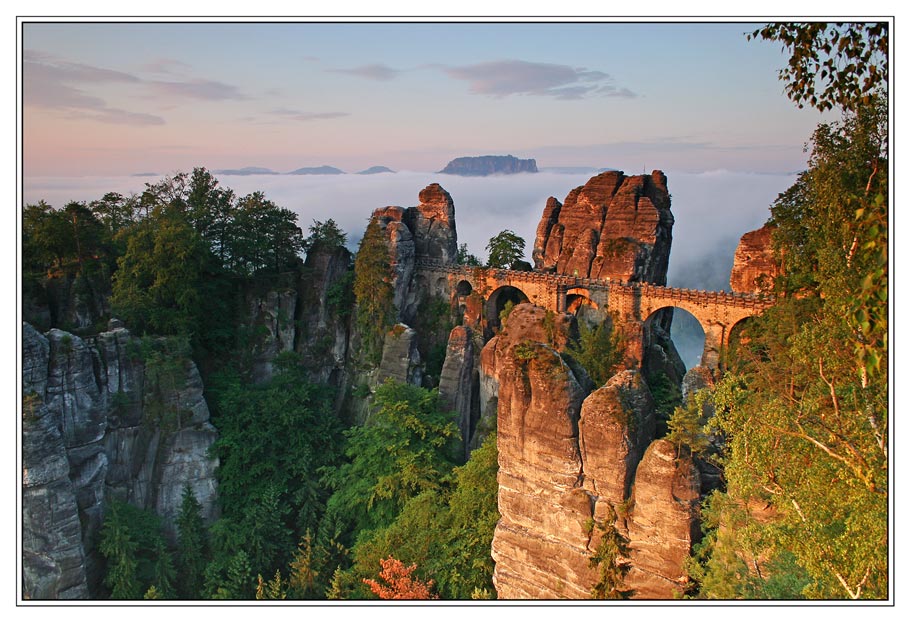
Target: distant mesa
[318, 170]
[247, 170]
[373, 170]
[480, 166]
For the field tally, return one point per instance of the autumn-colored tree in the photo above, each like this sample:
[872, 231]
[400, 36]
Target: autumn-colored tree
[398, 584]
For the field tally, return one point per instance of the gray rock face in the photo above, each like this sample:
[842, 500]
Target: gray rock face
[53, 562]
[323, 344]
[459, 384]
[97, 426]
[272, 314]
[402, 252]
[400, 358]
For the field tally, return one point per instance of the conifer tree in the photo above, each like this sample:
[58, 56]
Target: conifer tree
[191, 545]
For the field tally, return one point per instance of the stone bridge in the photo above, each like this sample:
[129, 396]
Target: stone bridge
[632, 306]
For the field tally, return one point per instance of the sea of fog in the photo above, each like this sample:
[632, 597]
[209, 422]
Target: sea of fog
[712, 211]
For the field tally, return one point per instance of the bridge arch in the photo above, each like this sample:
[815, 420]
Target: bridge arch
[464, 288]
[685, 329]
[497, 301]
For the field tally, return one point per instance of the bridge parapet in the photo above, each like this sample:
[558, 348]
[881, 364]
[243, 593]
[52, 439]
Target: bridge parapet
[649, 290]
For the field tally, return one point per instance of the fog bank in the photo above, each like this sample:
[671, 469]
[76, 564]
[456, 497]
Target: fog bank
[712, 209]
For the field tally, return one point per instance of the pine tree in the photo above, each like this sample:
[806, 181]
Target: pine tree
[119, 549]
[191, 545]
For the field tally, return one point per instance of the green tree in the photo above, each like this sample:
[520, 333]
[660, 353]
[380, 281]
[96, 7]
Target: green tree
[400, 452]
[466, 258]
[158, 286]
[505, 249]
[599, 350]
[373, 292]
[119, 549]
[804, 408]
[136, 555]
[447, 531]
[324, 235]
[192, 546]
[840, 64]
[608, 558]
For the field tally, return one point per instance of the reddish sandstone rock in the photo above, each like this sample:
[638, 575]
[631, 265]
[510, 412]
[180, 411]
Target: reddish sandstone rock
[432, 223]
[617, 423]
[540, 542]
[614, 227]
[663, 522]
[754, 266]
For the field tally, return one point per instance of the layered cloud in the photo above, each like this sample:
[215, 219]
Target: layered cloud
[207, 90]
[379, 72]
[503, 78]
[57, 85]
[517, 77]
[73, 89]
[300, 115]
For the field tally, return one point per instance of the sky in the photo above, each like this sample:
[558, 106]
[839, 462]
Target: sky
[124, 98]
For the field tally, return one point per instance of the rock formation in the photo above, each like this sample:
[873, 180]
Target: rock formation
[92, 408]
[480, 166]
[754, 265]
[663, 522]
[613, 227]
[569, 461]
[432, 225]
[459, 388]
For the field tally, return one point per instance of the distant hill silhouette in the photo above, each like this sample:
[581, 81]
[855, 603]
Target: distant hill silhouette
[318, 170]
[480, 166]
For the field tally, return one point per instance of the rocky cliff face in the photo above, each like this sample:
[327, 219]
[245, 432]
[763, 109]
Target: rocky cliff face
[480, 166]
[754, 266]
[613, 227]
[569, 460]
[101, 424]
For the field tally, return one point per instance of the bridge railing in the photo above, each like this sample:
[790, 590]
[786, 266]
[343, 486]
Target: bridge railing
[645, 289]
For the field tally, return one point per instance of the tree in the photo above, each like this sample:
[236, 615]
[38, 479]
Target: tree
[396, 583]
[447, 531]
[803, 408]
[609, 558]
[119, 548]
[840, 64]
[401, 451]
[505, 249]
[465, 257]
[324, 235]
[373, 291]
[598, 350]
[135, 551]
[160, 279]
[191, 546]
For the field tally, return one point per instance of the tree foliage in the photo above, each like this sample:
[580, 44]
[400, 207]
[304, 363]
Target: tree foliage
[598, 349]
[135, 553]
[400, 452]
[324, 235]
[274, 439]
[373, 292]
[839, 64]
[447, 531]
[396, 583]
[803, 408]
[505, 249]
[192, 546]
